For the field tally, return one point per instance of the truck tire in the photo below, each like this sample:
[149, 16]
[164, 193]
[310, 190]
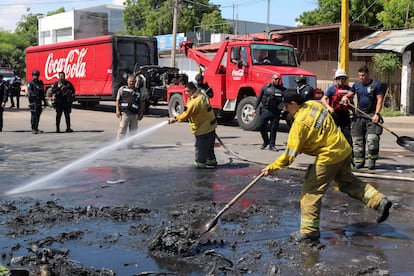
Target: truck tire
[175, 105]
[245, 118]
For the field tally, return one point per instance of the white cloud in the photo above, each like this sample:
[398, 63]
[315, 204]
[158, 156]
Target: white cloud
[118, 2]
[10, 15]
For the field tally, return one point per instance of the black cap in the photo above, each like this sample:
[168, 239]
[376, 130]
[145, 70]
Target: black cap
[35, 73]
[301, 79]
[290, 95]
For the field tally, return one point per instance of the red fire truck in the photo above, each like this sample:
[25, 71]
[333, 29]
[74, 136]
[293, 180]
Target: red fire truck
[96, 66]
[237, 72]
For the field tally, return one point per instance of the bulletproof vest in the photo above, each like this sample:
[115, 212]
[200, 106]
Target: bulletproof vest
[17, 82]
[272, 97]
[64, 95]
[37, 94]
[336, 100]
[130, 100]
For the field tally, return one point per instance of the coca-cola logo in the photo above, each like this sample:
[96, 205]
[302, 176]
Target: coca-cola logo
[73, 64]
[237, 74]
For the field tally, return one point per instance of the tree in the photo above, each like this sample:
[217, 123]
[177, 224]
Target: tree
[28, 27]
[397, 14]
[215, 23]
[329, 11]
[385, 65]
[12, 47]
[154, 17]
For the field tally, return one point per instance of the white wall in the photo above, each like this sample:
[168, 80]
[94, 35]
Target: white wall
[56, 28]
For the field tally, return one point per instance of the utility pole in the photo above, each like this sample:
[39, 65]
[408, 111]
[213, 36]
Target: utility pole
[174, 33]
[344, 37]
[268, 18]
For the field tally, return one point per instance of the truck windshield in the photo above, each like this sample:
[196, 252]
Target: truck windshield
[272, 54]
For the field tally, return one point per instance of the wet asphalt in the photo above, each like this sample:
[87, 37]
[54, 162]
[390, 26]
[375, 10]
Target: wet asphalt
[157, 174]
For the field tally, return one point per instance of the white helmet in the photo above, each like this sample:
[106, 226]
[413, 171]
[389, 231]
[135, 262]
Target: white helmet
[340, 73]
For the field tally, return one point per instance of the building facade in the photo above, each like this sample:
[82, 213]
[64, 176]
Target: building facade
[83, 23]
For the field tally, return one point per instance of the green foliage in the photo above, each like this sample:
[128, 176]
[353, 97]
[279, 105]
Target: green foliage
[60, 10]
[390, 112]
[215, 23]
[386, 64]
[395, 12]
[155, 17]
[329, 11]
[12, 47]
[28, 27]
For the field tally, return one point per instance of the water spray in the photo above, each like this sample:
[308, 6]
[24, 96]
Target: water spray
[37, 184]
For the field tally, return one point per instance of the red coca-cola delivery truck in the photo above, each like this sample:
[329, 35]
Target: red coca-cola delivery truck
[96, 66]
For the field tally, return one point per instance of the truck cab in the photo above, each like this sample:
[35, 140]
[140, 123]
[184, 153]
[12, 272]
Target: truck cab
[239, 70]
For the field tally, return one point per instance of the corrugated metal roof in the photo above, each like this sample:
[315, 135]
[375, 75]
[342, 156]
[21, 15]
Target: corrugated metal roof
[392, 40]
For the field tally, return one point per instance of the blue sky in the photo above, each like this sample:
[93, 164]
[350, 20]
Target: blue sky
[282, 12]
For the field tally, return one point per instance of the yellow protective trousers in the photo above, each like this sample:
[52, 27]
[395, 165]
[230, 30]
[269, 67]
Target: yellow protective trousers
[317, 179]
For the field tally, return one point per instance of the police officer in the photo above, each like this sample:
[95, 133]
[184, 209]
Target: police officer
[14, 91]
[303, 88]
[204, 85]
[3, 99]
[36, 94]
[332, 100]
[270, 97]
[129, 107]
[365, 131]
[63, 93]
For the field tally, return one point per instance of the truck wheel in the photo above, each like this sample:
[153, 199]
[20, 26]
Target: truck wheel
[175, 105]
[245, 118]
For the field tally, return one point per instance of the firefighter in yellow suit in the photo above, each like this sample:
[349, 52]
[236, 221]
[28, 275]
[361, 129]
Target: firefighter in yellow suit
[315, 133]
[203, 124]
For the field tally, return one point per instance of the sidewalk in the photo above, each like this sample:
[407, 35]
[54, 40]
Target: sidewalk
[400, 122]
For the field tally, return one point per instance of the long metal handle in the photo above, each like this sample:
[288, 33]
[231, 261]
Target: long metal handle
[369, 117]
[240, 194]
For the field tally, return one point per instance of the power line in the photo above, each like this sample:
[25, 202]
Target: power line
[34, 3]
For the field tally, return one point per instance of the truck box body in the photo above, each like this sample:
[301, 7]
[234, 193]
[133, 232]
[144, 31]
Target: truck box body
[96, 66]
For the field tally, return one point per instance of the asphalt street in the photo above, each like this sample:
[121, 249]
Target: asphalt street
[100, 125]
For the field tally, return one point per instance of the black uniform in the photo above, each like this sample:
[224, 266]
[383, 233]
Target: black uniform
[270, 97]
[36, 94]
[3, 99]
[14, 91]
[63, 102]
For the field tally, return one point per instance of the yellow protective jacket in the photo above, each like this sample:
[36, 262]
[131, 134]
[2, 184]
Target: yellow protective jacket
[315, 133]
[200, 114]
